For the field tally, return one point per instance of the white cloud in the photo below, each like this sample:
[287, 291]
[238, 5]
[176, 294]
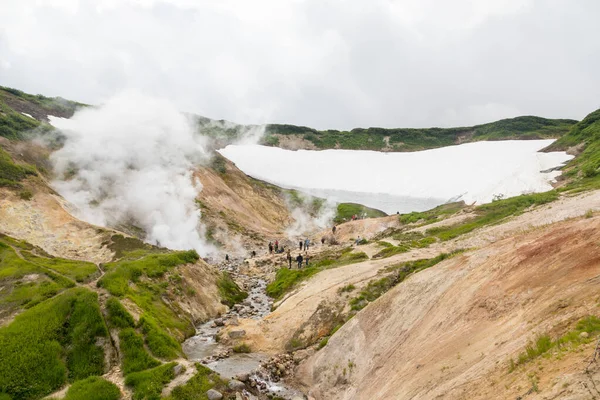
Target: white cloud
[323, 63]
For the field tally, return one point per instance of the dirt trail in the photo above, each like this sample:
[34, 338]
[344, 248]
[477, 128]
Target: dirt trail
[447, 327]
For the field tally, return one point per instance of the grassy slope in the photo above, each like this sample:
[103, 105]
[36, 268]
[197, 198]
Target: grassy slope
[50, 343]
[53, 340]
[345, 211]
[286, 279]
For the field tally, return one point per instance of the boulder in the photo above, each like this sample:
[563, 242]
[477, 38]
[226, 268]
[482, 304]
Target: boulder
[178, 369]
[212, 394]
[243, 377]
[584, 335]
[237, 334]
[234, 384]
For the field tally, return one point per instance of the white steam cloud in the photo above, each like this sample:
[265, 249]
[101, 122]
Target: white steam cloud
[130, 161]
[306, 219]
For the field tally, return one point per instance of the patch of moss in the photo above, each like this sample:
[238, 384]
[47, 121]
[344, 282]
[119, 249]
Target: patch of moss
[229, 291]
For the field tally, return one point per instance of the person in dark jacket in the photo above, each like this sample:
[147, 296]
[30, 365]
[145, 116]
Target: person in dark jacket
[289, 258]
[270, 248]
[299, 259]
[301, 244]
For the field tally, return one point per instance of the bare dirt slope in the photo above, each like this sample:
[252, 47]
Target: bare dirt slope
[442, 331]
[44, 222]
[310, 310]
[235, 206]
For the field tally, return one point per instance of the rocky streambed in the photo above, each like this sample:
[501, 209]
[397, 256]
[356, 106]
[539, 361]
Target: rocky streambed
[256, 370]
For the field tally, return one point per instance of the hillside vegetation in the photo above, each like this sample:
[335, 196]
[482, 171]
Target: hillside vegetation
[406, 139]
[61, 325]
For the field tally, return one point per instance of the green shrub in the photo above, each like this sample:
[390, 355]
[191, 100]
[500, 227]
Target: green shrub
[242, 348]
[347, 288]
[229, 291]
[323, 342]
[147, 385]
[10, 173]
[198, 385]
[118, 316]
[93, 388]
[25, 194]
[135, 357]
[544, 343]
[159, 342]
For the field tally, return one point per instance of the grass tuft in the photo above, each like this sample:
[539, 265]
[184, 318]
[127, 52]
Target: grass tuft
[93, 388]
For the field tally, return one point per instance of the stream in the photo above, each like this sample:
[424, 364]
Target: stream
[205, 349]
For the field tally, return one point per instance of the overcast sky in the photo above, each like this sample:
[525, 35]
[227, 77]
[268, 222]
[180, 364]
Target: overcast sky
[321, 63]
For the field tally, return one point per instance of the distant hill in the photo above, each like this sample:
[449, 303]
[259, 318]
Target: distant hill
[407, 139]
[395, 139]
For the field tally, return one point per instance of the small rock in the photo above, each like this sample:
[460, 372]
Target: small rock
[234, 384]
[212, 394]
[219, 322]
[237, 334]
[178, 369]
[297, 398]
[584, 335]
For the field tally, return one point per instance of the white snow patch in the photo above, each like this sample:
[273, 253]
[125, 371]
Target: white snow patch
[404, 182]
[27, 115]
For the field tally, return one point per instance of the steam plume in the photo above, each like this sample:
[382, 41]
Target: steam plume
[130, 161]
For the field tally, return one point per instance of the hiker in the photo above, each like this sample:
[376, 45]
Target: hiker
[226, 257]
[299, 259]
[276, 245]
[270, 248]
[253, 253]
[357, 240]
[289, 258]
[301, 243]
[333, 229]
[306, 243]
[323, 240]
[306, 258]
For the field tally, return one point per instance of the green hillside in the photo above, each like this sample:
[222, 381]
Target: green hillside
[407, 139]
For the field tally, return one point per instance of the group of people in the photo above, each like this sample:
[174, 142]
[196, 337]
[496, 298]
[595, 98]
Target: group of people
[304, 244]
[276, 248]
[299, 259]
